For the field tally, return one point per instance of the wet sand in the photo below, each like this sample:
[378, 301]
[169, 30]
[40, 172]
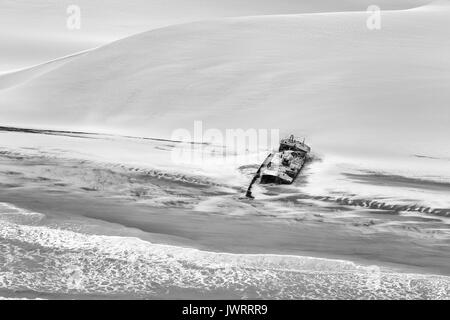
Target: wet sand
[253, 234]
[88, 219]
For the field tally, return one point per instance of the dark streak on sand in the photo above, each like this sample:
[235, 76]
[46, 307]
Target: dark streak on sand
[87, 135]
[380, 179]
[259, 232]
[112, 194]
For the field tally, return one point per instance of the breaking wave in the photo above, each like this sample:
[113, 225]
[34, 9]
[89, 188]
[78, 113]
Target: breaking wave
[48, 260]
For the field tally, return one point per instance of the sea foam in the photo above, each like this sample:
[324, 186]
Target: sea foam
[52, 260]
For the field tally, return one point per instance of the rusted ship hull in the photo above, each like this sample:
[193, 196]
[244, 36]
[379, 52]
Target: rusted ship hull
[284, 166]
[280, 176]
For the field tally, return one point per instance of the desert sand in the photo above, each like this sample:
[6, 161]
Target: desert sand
[109, 213]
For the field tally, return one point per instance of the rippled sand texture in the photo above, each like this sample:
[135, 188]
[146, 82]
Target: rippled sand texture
[77, 224]
[122, 214]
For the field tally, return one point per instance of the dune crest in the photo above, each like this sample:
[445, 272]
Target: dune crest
[21, 76]
[438, 3]
[315, 75]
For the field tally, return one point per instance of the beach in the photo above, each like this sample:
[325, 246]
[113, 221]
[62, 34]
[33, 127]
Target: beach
[126, 154]
[77, 218]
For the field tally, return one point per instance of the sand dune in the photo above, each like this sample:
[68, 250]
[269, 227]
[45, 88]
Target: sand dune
[320, 75]
[32, 31]
[18, 77]
[87, 215]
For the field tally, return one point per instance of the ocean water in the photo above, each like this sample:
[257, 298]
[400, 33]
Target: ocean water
[38, 261]
[348, 228]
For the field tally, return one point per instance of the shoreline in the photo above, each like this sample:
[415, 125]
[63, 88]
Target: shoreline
[227, 235]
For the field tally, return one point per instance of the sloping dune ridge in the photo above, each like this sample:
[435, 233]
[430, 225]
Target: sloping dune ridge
[88, 215]
[18, 77]
[32, 32]
[318, 75]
